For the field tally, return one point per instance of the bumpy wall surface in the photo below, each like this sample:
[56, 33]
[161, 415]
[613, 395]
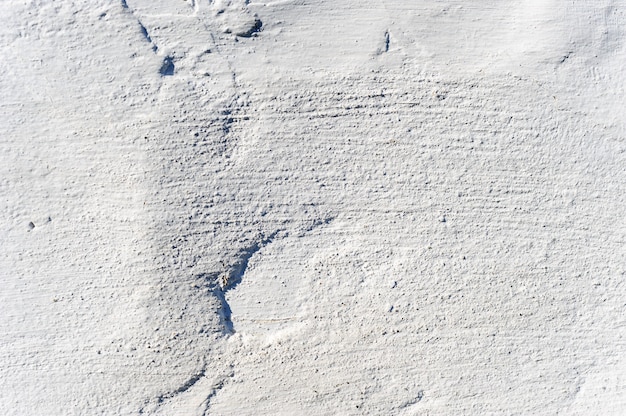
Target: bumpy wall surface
[312, 207]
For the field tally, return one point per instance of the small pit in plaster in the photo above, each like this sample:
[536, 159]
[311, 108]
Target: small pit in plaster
[167, 67]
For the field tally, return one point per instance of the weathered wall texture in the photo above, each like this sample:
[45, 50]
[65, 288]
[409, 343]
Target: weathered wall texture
[305, 207]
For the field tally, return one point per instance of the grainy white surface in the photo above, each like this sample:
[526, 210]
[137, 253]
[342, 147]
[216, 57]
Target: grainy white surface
[310, 207]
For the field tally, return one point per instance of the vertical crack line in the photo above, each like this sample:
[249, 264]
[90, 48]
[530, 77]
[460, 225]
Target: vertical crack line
[216, 388]
[387, 41]
[384, 48]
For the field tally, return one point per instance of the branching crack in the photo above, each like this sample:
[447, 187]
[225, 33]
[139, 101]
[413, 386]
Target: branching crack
[220, 284]
[232, 277]
[191, 383]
